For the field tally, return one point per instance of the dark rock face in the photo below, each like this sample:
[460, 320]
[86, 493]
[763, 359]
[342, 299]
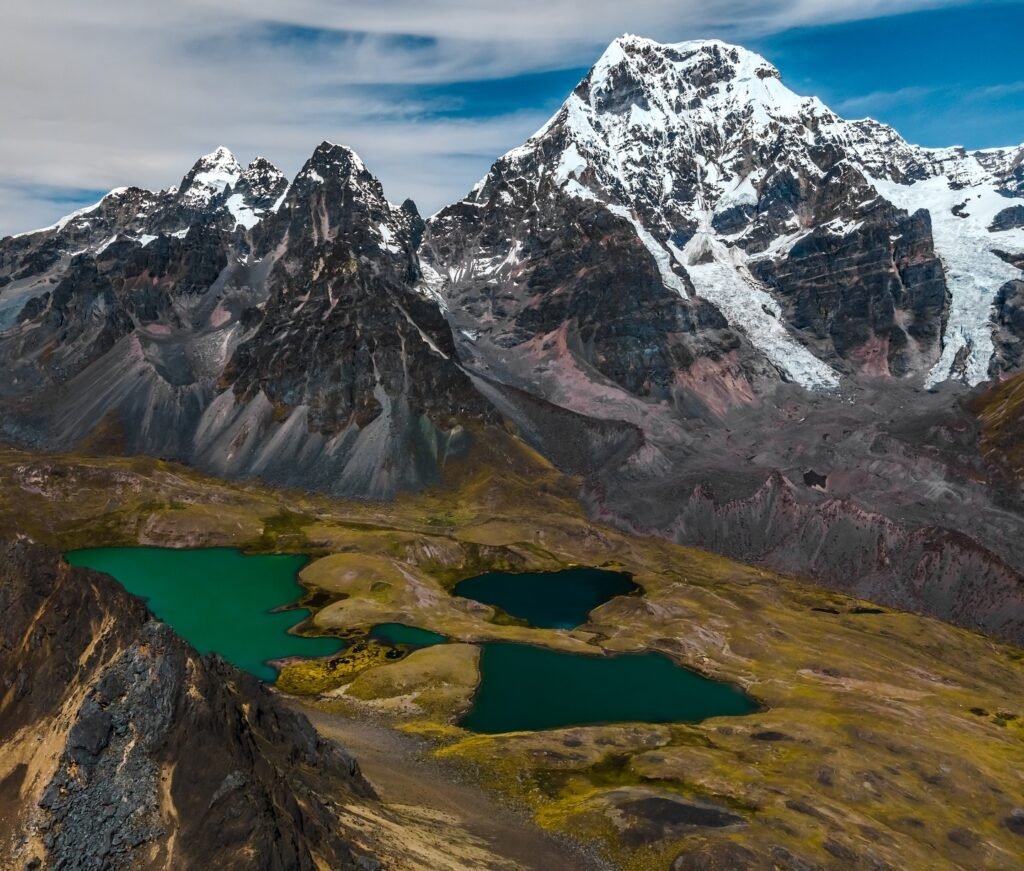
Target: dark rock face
[577, 284]
[342, 331]
[1013, 259]
[153, 756]
[1008, 219]
[875, 297]
[1008, 315]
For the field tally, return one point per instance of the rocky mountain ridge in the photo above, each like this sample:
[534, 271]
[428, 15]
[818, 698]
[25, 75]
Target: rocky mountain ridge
[193, 322]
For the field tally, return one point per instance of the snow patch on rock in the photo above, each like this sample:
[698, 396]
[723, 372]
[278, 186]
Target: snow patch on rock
[973, 273]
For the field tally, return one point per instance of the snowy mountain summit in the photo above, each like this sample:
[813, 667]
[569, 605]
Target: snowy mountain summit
[834, 246]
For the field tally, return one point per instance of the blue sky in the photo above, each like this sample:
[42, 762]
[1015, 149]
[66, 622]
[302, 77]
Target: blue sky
[430, 92]
[940, 77]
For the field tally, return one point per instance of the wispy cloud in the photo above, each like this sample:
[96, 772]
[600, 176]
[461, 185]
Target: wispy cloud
[997, 91]
[974, 106]
[114, 92]
[878, 101]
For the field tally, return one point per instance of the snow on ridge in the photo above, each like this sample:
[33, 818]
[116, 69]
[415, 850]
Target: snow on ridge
[974, 274]
[661, 256]
[719, 275]
[103, 246]
[276, 207]
[243, 214]
[431, 285]
[67, 219]
[353, 156]
[387, 238]
[741, 194]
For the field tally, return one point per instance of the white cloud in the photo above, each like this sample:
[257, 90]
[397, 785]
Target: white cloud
[879, 101]
[113, 92]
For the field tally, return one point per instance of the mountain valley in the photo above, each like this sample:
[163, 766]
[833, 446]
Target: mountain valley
[699, 330]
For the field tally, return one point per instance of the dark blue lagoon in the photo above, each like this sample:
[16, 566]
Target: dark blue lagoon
[398, 633]
[550, 600]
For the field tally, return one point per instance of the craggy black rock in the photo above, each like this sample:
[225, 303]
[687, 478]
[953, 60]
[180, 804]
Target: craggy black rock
[1008, 219]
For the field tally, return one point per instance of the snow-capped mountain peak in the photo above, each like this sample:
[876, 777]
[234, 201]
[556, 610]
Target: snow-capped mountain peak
[261, 177]
[712, 70]
[744, 192]
[209, 177]
[643, 102]
[676, 138]
[259, 189]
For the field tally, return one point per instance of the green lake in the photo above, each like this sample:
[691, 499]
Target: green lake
[550, 600]
[219, 600]
[524, 688]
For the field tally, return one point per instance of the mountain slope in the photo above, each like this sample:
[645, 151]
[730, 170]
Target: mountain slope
[123, 748]
[799, 249]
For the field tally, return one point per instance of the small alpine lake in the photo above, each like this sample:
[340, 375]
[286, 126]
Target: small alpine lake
[525, 688]
[549, 600]
[218, 599]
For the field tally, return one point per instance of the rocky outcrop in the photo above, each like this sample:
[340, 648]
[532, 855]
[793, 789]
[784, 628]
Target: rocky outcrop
[123, 748]
[1008, 318]
[874, 296]
[1009, 218]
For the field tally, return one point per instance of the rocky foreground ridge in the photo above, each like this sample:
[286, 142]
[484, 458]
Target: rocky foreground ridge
[123, 748]
[748, 323]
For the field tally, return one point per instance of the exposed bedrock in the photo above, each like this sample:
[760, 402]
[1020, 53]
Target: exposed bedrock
[1008, 219]
[1008, 335]
[875, 297]
[575, 297]
[929, 570]
[123, 748]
